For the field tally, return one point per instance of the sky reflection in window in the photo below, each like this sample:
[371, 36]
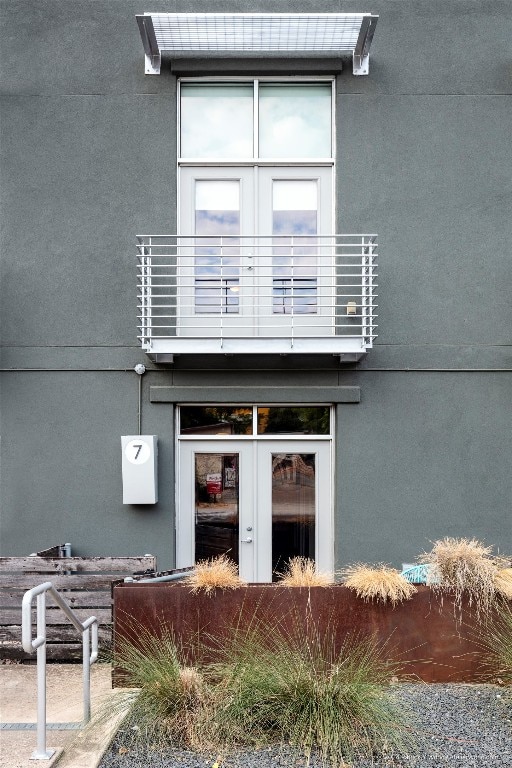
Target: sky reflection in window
[217, 260]
[294, 262]
[295, 120]
[216, 120]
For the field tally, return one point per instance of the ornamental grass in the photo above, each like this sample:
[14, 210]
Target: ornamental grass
[301, 572]
[499, 642]
[464, 567]
[495, 639]
[503, 582]
[378, 583]
[297, 688]
[173, 703]
[265, 685]
[216, 573]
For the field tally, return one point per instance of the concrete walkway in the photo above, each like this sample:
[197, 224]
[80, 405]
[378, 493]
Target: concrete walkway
[81, 748]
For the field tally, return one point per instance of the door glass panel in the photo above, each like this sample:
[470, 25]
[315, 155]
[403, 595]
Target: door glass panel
[300, 420]
[295, 120]
[294, 260]
[216, 121]
[216, 505]
[216, 420]
[217, 259]
[293, 508]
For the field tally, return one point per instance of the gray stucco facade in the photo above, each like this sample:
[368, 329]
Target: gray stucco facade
[424, 158]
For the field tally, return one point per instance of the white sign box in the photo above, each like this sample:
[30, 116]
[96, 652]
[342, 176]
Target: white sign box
[140, 454]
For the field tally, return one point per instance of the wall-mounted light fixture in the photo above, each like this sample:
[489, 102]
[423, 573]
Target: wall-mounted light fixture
[351, 308]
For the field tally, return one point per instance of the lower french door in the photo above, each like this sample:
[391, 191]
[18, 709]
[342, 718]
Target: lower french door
[260, 502]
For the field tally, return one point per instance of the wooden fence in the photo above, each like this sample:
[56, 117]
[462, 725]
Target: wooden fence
[84, 582]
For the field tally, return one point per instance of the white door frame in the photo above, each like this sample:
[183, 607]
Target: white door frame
[255, 500]
[256, 281]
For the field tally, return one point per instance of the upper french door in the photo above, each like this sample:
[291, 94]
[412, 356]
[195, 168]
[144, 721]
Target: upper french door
[253, 255]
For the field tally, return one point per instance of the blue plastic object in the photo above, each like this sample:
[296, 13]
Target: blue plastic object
[418, 574]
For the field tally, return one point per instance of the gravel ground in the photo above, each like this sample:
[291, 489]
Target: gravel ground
[457, 726]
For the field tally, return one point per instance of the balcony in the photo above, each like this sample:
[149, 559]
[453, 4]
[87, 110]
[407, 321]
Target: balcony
[256, 295]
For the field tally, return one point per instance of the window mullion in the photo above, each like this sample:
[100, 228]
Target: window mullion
[256, 136]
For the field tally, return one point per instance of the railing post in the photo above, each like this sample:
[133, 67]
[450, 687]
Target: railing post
[86, 677]
[370, 290]
[89, 656]
[41, 753]
[364, 291]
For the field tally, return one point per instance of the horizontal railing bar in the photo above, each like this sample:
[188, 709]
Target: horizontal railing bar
[336, 237]
[325, 311]
[299, 331]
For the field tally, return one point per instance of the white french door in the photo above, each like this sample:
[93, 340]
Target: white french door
[260, 501]
[253, 257]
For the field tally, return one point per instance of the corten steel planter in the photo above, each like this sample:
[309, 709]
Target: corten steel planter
[427, 637]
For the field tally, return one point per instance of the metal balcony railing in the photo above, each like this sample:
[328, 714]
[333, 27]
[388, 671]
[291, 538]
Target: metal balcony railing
[281, 294]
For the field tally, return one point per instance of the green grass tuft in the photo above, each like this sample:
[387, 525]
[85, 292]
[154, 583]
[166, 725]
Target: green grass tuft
[297, 689]
[496, 639]
[174, 702]
[265, 684]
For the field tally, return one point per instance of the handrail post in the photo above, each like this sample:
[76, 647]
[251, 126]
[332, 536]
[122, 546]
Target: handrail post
[89, 655]
[86, 672]
[41, 753]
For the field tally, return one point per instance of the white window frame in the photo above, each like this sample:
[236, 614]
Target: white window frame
[255, 160]
[184, 523]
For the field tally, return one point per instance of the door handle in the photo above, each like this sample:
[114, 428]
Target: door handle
[247, 541]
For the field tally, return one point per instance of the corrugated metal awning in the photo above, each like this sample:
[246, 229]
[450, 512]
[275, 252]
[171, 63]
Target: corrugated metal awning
[255, 34]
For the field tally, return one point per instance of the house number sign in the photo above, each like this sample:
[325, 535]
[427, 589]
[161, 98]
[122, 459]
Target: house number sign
[139, 467]
[137, 451]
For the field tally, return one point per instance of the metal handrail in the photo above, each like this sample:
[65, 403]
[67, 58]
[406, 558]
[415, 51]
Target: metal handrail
[89, 631]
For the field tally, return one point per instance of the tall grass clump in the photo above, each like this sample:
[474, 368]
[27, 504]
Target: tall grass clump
[496, 639]
[298, 689]
[217, 573]
[503, 582]
[380, 583]
[174, 702]
[301, 572]
[464, 567]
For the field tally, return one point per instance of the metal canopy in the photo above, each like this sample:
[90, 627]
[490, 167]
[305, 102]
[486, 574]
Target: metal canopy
[254, 34]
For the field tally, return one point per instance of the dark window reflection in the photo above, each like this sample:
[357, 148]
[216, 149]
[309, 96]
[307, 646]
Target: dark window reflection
[216, 420]
[216, 505]
[294, 420]
[293, 508]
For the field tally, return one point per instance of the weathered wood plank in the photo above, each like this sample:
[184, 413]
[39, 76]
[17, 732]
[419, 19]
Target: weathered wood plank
[86, 582]
[115, 565]
[60, 634]
[98, 599]
[56, 616]
[54, 652]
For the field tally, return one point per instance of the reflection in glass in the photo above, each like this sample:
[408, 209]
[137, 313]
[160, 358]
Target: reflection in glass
[217, 261]
[293, 508]
[216, 505]
[295, 120]
[216, 121]
[313, 420]
[294, 221]
[216, 420]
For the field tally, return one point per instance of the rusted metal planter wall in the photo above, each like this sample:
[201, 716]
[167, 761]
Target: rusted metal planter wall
[425, 635]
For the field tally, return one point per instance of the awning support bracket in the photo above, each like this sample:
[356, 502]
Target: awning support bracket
[152, 53]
